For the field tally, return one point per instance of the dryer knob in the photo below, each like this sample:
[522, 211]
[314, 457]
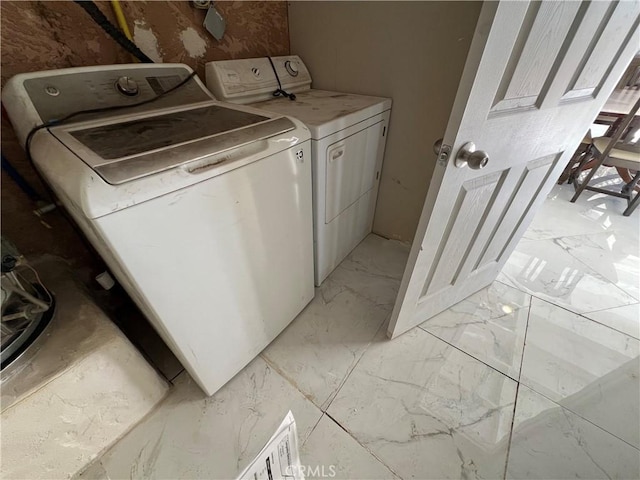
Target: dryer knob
[127, 86]
[292, 68]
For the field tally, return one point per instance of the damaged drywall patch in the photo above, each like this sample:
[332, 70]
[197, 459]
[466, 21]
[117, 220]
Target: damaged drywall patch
[93, 46]
[193, 43]
[146, 40]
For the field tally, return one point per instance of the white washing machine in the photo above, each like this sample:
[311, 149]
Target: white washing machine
[202, 210]
[348, 136]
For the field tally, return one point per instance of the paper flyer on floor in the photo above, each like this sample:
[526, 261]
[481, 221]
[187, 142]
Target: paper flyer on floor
[279, 459]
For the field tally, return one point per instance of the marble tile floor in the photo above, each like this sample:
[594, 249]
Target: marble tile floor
[534, 377]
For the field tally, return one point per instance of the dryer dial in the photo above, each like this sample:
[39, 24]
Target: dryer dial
[291, 68]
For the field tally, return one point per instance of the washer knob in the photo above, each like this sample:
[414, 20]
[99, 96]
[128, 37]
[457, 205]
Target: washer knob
[127, 86]
[291, 68]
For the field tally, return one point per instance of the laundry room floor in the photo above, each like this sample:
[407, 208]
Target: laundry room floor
[536, 376]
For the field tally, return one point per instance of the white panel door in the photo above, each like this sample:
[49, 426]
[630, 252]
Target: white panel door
[536, 76]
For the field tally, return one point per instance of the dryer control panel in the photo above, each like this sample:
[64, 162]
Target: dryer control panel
[253, 79]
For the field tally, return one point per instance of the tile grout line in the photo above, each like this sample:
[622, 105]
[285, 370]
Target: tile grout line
[466, 353]
[147, 416]
[363, 446]
[271, 364]
[608, 326]
[510, 286]
[516, 287]
[586, 318]
[611, 308]
[355, 364]
[513, 420]
[636, 302]
[579, 416]
[550, 399]
[312, 430]
[278, 372]
[326, 411]
[524, 344]
[515, 402]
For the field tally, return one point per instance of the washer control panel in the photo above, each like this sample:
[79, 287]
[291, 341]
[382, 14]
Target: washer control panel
[62, 92]
[253, 79]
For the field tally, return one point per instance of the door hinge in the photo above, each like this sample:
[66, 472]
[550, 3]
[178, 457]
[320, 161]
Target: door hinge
[443, 155]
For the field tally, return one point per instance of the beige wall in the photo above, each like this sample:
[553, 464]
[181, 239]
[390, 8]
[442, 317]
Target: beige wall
[414, 53]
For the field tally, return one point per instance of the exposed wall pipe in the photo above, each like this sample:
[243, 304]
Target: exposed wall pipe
[114, 32]
[122, 21]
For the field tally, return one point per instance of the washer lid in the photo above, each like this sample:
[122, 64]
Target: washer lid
[126, 150]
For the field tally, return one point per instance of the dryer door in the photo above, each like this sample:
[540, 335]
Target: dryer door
[351, 169]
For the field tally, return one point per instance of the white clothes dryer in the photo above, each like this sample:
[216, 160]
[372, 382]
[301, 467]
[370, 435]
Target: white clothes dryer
[348, 137]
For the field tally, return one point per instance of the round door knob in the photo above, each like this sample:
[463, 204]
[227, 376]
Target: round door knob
[436, 146]
[292, 68]
[468, 155]
[127, 86]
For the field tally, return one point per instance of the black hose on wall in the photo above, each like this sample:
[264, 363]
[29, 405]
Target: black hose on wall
[114, 32]
[19, 179]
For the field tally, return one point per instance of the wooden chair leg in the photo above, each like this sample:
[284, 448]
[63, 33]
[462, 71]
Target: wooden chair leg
[585, 163]
[596, 163]
[630, 185]
[576, 158]
[633, 204]
[566, 173]
[630, 181]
